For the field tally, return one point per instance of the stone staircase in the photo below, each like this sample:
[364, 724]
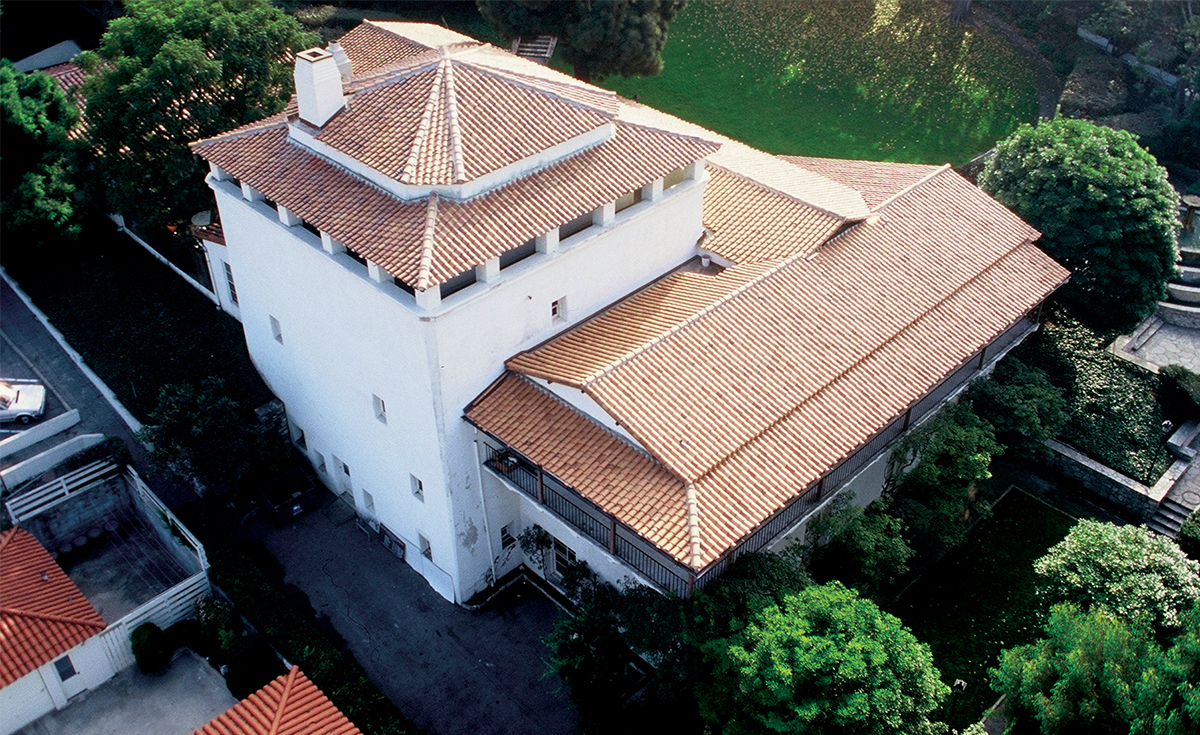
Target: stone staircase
[1182, 307]
[1169, 518]
[539, 48]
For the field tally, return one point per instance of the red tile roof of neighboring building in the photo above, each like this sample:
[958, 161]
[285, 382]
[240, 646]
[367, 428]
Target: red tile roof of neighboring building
[369, 47]
[753, 387]
[290, 705]
[42, 613]
[878, 181]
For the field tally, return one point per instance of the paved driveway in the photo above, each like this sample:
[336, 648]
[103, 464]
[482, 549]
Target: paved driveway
[449, 669]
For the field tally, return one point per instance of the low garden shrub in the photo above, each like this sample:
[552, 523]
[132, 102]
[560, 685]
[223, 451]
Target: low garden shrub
[252, 665]
[150, 647]
[1189, 536]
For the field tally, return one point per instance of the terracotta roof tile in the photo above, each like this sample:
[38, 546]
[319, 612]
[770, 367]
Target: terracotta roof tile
[390, 232]
[42, 613]
[424, 34]
[290, 705]
[786, 368]
[877, 181]
[370, 47]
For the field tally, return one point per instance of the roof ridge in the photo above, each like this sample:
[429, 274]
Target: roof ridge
[52, 618]
[863, 359]
[7, 536]
[793, 197]
[423, 127]
[746, 285]
[425, 265]
[531, 83]
[906, 190]
[456, 147]
[691, 510]
[277, 720]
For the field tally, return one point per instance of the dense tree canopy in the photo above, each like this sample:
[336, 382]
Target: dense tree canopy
[36, 191]
[1131, 571]
[1105, 210]
[863, 549]
[1021, 404]
[173, 71]
[1093, 673]
[827, 662]
[598, 38]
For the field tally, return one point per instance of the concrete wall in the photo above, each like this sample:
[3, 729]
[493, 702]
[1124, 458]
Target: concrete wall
[34, 434]
[79, 514]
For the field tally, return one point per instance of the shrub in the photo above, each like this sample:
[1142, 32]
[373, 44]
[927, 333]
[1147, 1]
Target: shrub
[1189, 536]
[1181, 391]
[184, 633]
[864, 550]
[218, 625]
[150, 648]
[252, 665]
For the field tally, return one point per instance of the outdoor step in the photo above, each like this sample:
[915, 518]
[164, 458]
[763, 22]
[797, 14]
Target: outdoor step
[1190, 256]
[1144, 333]
[1180, 293]
[1175, 514]
[1188, 276]
[1180, 315]
[1170, 531]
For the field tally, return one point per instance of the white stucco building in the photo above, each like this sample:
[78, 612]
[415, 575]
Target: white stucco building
[492, 296]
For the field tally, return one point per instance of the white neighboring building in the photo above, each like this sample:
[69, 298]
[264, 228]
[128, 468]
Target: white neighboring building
[668, 348]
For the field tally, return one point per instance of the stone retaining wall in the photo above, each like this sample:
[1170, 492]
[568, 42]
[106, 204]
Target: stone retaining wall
[1106, 482]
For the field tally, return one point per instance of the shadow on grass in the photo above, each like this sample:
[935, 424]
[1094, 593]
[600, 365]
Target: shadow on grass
[136, 323]
[980, 599]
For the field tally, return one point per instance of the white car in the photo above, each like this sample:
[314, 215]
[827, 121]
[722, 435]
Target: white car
[21, 401]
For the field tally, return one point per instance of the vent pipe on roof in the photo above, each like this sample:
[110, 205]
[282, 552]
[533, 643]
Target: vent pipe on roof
[318, 86]
[343, 61]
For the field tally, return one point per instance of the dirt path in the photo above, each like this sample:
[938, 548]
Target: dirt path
[1049, 89]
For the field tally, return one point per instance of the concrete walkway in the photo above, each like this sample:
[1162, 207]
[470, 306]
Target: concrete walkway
[449, 669]
[177, 702]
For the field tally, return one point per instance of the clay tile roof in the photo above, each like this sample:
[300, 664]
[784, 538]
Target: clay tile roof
[290, 705]
[439, 123]
[395, 234]
[780, 226]
[42, 613]
[370, 47]
[425, 34]
[784, 368]
[877, 182]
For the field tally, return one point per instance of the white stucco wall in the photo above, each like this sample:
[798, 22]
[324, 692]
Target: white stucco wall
[23, 701]
[346, 339]
[41, 690]
[218, 256]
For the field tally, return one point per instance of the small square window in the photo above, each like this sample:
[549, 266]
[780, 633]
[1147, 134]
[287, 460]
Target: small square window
[321, 462]
[506, 538]
[230, 284]
[276, 330]
[346, 469]
[418, 487]
[65, 668]
[380, 409]
[426, 549]
[558, 309]
[369, 503]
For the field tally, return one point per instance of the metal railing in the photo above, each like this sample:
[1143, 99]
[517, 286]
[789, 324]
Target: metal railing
[558, 499]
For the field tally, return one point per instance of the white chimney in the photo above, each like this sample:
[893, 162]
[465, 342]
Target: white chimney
[343, 61]
[318, 86]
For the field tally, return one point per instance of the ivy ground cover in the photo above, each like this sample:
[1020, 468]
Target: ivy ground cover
[980, 599]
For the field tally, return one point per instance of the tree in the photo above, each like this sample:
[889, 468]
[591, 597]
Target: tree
[1130, 571]
[864, 550]
[1105, 210]
[589, 655]
[174, 71]
[597, 38]
[1021, 404]
[36, 190]
[825, 661]
[200, 433]
[952, 452]
[1093, 673]
[1180, 713]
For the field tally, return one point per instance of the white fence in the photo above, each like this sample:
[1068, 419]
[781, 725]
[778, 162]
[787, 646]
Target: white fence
[165, 610]
[44, 497]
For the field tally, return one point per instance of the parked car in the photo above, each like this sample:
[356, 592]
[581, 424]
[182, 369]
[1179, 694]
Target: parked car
[21, 401]
[290, 495]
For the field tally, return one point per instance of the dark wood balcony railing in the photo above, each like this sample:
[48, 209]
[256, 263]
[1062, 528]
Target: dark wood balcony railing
[650, 561]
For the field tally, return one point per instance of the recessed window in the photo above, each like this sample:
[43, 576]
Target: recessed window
[230, 284]
[517, 254]
[558, 309]
[298, 437]
[418, 487]
[426, 549]
[628, 199]
[506, 538]
[276, 330]
[564, 556]
[346, 469]
[575, 226]
[321, 462]
[675, 177]
[65, 668]
[369, 503]
[380, 409]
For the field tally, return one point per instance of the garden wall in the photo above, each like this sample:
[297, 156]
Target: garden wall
[1106, 482]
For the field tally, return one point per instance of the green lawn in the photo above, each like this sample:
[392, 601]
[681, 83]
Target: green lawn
[885, 80]
[136, 323]
[979, 599]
